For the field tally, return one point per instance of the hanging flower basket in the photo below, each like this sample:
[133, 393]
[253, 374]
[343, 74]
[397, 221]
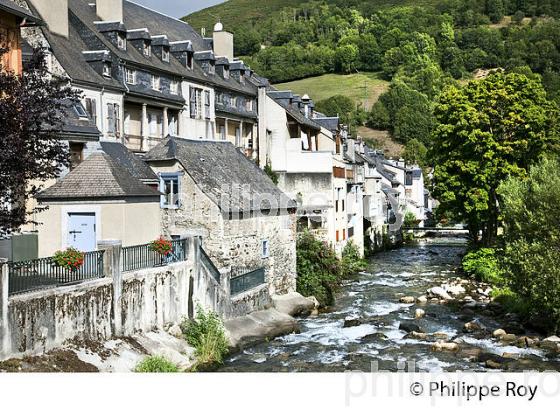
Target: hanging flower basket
[70, 258]
[161, 246]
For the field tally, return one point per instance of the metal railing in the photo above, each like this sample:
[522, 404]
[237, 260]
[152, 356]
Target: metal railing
[36, 274]
[246, 281]
[209, 265]
[142, 257]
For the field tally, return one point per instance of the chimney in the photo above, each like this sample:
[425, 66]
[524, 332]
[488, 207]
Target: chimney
[54, 13]
[223, 42]
[110, 10]
[306, 100]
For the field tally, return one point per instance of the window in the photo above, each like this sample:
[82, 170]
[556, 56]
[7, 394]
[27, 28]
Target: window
[248, 105]
[190, 59]
[106, 70]
[76, 154]
[408, 178]
[80, 110]
[91, 108]
[165, 54]
[196, 103]
[130, 76]
[265, 249]
[174, 87]
[156, 83]
[207, 104]
[170, 186]
[226, 73]
[113, 119]
[121, 41]
[147, 49]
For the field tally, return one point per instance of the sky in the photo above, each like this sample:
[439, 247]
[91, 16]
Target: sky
[177, 8]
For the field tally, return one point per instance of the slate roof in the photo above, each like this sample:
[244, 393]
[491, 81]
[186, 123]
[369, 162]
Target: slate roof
[24, 14]
[223, 173]
[76, 126]
[128, 160]
[98, 177]
[293, 112]
[330, 123]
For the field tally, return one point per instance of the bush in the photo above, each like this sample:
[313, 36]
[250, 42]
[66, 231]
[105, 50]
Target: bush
[318, 269]
[511, 301]
[351, 260]
[271, 174]
[156, 364]
[410, 220]
[70, 258]
[207, 335]
[484, 265]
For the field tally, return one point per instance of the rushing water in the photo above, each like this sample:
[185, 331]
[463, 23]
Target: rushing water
[324, 345]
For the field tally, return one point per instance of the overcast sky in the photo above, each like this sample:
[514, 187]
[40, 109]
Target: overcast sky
[177, 8]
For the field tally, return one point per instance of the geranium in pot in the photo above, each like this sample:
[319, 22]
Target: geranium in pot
[161, 246]
[70, 258]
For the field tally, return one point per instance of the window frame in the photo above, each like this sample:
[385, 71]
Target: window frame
[132, 73]
[165, 54]
[168, 176]
[174, 87]
[265, 249]
[147, 49]
[121, 41]
[156, 82]
[106, 69]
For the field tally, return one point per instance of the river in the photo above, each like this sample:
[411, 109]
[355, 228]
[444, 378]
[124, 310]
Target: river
[325, 345]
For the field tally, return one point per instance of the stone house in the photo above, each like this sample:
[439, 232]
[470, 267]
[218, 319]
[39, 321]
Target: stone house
[212, 189]
[98, 200]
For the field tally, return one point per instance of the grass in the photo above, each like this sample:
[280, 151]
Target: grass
[364, 88]
[156, 364]
[382, 140]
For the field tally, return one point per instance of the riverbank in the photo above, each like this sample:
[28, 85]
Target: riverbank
[364, 327]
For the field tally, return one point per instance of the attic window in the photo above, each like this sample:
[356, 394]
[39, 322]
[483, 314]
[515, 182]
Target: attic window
[226, 73]
[106, 70]
[80, 111]
[121, 42]
[147, 49]
[165, 54]
[190, 60]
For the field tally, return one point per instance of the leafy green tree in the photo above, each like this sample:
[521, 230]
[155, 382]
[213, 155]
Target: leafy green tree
[247, 42]
[346, 58]
[379, 117]
[495, 10]
[337, 105]
[413, 122]
[487, 131]
[532, 237]
[415, 153]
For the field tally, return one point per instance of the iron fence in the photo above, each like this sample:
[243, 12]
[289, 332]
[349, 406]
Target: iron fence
[143, 257]
[246, 281]
[36, 274]
[209, 265]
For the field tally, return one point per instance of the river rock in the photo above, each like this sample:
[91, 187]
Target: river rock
[407, 299]
[410, 327]
[374, 337]
[417, 335]
[508, 338]
[454, 290]
[526, 342]
[441, 336]
[315, 302]
[421, 299]
[551, 343]
[440, 346]
[293, 304]
[175, 331]
[491, 364]
[471, 354]
[352, 322]
[514, 356]
[419, 313]
[498, 333]
[439, 292]
[473, 326]
[258, 326]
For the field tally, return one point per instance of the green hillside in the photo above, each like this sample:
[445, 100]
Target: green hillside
[239, 13]
[364, 88]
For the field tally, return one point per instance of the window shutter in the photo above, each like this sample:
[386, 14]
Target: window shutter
[110, 118]
[207, 104]
[117, 109]
[193, 102]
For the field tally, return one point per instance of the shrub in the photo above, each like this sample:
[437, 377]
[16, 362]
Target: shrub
[271, 174]
[318, 269]
[207, 335]
[351, 260]
[484, 265]
[511, 301]
[70, 258]
[410, 220]
[156, 364]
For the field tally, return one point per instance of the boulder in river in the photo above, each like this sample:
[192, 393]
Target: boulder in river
[407, 299]
[410, 327]
[439, 292]
[293, 304]
[374, 337]
[526, 342]
[421, 299]
[508, 338]
[498, 333]
[440, 346]
[551, 343]
[351, 322]
[453, 289]
[175, 331]
[419, 313]
[473, 326]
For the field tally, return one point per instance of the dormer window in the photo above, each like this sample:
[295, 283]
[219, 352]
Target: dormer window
[130, 76]
[121, 41]
[165, 54]
[147, 49]
[156, 83]
[226, 73]
[106, 70]
[80, 111]
[190, 61]
[174, 87]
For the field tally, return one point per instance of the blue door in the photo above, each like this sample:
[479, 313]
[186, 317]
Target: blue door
[81, 231]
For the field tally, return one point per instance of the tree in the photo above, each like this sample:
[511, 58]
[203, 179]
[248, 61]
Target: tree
[495, 10]
[379, 117]
[531, 211]
[31, 152]
[346, 58]
[337, 105]
[415, 153]
[487, 131]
